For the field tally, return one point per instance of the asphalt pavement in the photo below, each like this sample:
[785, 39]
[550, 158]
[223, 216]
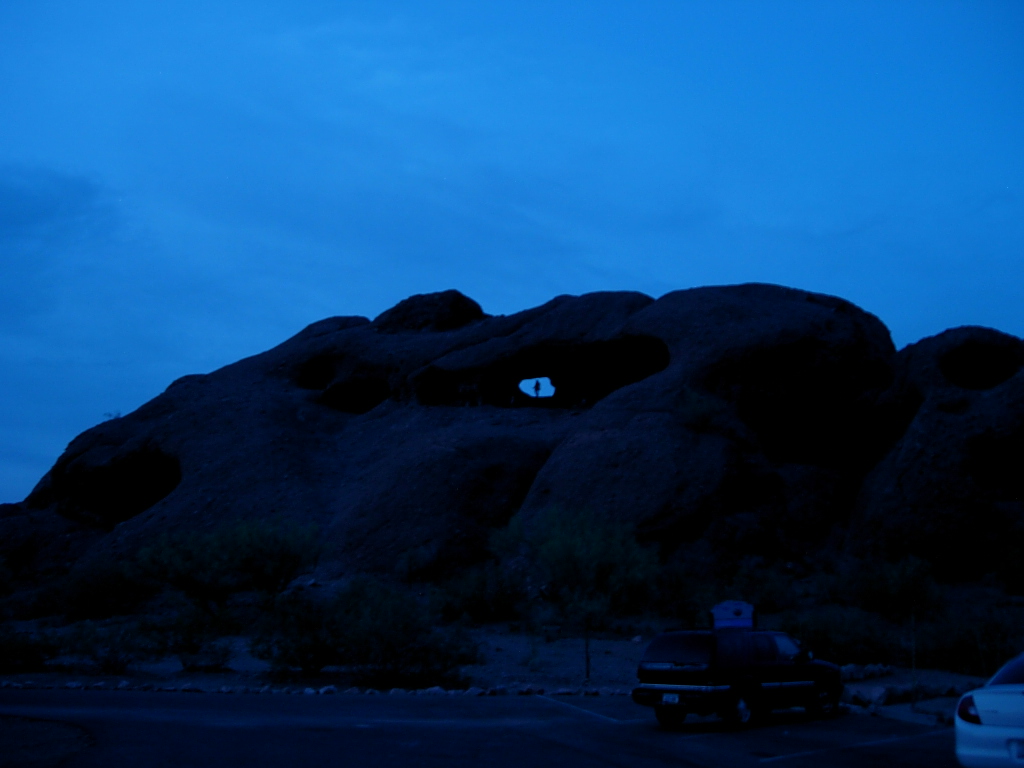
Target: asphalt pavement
[185, 730]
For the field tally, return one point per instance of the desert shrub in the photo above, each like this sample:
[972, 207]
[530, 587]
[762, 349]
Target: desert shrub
[484, 594]
[381, 634]
[302, 632]
[969, 639]
[6, 578]
[971, 634]
[195, 636]
[684, 596]
[895, 591]
[842, 634]
[973, 639]
[32, 603]
[588, 564]
[25, 651]
[244, 556]
[770, 587]
[688, 585]
[100, 589]
[389, 639]
[110, 648]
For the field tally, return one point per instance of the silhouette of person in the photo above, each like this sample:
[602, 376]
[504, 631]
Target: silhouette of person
[536, 388]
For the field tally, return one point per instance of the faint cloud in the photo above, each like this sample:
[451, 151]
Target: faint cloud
[41, 205]
[44, 214]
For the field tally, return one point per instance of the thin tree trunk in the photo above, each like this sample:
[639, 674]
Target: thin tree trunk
[586, 646]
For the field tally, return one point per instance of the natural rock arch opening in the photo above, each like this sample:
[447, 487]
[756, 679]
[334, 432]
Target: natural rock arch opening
[982, 363]
[537, 387]
[359, 393]
[580, 374]
[316, 373]
[809, 403]
[344, 387]
[120, 489]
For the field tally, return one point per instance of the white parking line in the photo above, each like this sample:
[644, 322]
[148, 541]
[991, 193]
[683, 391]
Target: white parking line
[580, 709]
[890, 740]
[212, 719]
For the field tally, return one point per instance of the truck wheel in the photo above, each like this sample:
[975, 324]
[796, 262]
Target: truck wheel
[670, 717]
[825, 704]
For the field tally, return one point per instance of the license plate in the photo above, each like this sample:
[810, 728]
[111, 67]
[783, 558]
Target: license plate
[670, 698]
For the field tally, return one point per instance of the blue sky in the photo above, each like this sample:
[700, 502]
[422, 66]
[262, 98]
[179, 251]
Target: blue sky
[186, 183]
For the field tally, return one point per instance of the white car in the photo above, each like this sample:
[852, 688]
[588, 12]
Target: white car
[990, 720]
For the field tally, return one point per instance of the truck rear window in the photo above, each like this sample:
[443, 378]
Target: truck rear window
[681, 648]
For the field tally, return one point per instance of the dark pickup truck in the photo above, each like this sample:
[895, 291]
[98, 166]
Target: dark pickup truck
[736, 673]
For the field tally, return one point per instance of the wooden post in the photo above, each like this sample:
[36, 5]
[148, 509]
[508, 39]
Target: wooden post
[913, 661]
[586, 646]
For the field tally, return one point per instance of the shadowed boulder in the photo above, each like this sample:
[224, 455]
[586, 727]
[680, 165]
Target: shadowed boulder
[951, 489]
[443, 311]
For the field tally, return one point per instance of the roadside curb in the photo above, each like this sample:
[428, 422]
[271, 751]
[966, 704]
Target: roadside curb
[932, 712]
[193, 687]
[940, 711]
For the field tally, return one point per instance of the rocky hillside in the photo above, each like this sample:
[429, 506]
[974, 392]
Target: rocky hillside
[748, 419]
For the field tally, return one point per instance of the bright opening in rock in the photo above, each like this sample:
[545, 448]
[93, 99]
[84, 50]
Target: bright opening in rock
[541, 387]
[578, 374]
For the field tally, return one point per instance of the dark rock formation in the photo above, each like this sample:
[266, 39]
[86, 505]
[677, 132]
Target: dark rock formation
[951, 491]
[443, 311]
[754, 418]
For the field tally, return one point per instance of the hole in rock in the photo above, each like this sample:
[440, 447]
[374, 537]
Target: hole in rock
[981, 364]
[356, 394]
[315, 373]
[541, 387]
[810, 402]
[579, 374]
[121, 489]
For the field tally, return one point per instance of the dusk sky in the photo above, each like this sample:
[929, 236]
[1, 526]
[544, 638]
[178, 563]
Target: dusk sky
[183, 184]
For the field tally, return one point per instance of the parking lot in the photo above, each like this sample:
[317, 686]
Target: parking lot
[133, 728]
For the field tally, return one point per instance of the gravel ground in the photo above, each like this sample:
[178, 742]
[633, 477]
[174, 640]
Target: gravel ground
[510, 660]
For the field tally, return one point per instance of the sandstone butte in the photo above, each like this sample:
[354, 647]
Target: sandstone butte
[748, 420]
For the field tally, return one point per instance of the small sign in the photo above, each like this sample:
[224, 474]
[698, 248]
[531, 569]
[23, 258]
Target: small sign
[732, 614]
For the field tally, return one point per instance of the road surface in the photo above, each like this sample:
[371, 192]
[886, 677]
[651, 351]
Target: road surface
[122, 729]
